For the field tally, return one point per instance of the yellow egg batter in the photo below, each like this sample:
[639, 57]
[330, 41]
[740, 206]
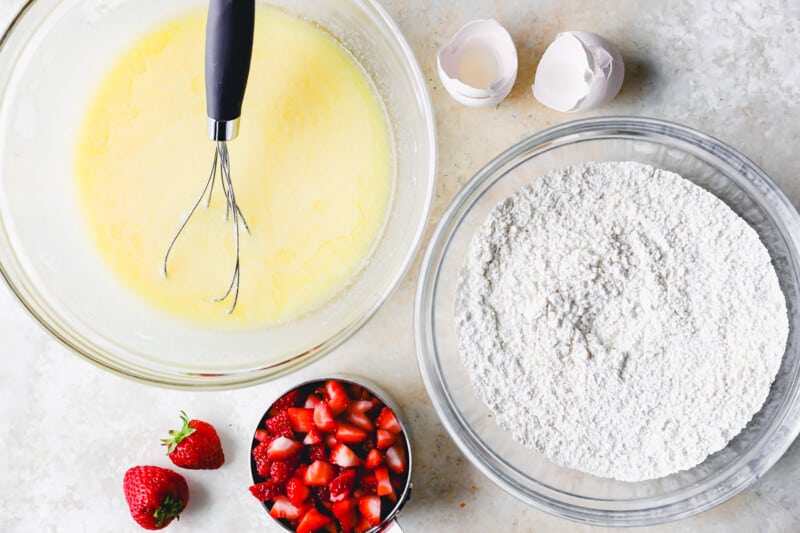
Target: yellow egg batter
[312, 170]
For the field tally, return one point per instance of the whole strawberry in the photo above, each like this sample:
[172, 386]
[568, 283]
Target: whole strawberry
[195, 446]
[155, 495]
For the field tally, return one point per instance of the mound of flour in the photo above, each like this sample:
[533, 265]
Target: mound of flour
[620, 320]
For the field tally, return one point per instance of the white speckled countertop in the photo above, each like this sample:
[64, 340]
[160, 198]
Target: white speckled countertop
[68, 430]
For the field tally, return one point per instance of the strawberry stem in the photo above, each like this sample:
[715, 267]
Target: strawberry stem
[177, 436]
[170, 508]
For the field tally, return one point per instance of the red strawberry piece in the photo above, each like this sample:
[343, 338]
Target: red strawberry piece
[323, 417]
[370, 508]
[386, 420]
[317, 452]
[322, 495]
[300, 473]
[362, 526]
[319, 473]
[396, 458]
[370, 443]
[311, 401]
[384, 485]
[279, 426]
[350, 434]
[268, 490]
[344, 456]
[280, 471]
[312, 437]
[155, 495]
[312, 521]
[374, 459]
[262, 461]
[283, 508]
[301, 419]
[368, 484]
[357, 415]
[345, 513]
[196, 445]
[355, 390]
[296, 491]
[342, 485]
[336, 396]
[282, 448]
[385, 438]
[330, 440]
[262, 435]
[284, 402]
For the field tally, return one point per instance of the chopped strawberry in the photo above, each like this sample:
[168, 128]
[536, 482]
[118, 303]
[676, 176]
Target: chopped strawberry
[319, 473]
[311, 401]
[370, 443]
[384, 485]
[370, 507]
[301, 420]
[317, 452]
[283, 508]
[322, 495]
[284, 402]
[385, 438]
[350, 434]
[336, 396]
[296, 491]
[355, 390]
[343, 456]
[279, 426]
[312, 437]
[345, 513]
[396, 458]
[265, 491]
[357, 415]
[282, 448]
[374, 459]
[342, 485]
[386, 420]
[330, 440]
[362, 526]
[368, 484]
[312, 521]
[323, 417]
[300, 473]
[280, 471]
[262, 461]
[262, 435]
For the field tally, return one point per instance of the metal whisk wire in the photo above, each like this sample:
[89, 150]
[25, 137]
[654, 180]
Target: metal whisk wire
[229, 47]
[222, 161]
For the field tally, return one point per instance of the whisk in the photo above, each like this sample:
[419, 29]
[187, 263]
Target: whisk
[229, 48]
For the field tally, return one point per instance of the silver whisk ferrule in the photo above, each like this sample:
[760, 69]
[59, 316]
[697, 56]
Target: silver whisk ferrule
[223, 130]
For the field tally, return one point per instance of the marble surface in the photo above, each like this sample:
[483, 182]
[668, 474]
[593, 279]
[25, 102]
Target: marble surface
[68, 430]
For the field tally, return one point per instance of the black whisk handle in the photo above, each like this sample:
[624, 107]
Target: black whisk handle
[229, 49]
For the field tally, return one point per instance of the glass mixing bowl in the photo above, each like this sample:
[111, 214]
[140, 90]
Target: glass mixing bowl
[51, 58]
[530, 476]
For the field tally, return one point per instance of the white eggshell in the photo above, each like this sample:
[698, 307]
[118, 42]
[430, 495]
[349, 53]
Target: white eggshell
[478, 66]
[578, 72]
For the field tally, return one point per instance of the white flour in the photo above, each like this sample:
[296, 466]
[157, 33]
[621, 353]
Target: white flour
[620, 320]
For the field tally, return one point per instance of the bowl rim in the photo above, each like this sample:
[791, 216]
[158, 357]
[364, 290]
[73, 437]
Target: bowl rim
[187, 380]
[460, 431]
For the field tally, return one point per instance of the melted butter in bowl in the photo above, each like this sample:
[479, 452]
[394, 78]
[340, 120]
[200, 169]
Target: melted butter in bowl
[312, 168]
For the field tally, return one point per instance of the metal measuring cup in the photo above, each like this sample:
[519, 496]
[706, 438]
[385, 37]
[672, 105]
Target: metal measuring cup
[389, 523]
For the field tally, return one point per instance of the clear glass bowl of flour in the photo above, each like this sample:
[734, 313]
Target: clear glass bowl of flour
[527, 474]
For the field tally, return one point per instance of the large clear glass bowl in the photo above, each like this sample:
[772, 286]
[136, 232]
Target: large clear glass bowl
[51, 58]
[530, 476]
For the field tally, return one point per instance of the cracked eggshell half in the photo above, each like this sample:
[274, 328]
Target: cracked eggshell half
[478, 66]
[578, 72]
